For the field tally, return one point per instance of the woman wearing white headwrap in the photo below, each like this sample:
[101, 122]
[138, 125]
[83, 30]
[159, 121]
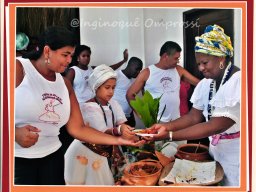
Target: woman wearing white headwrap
[87, 163]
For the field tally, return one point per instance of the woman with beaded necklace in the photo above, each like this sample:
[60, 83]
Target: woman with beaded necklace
[217, 99]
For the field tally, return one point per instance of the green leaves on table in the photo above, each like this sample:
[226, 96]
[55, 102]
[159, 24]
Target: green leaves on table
[147, 107]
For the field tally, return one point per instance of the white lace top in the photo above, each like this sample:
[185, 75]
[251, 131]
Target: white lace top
[226, 101]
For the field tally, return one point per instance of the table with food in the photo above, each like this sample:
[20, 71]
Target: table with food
[191, 165]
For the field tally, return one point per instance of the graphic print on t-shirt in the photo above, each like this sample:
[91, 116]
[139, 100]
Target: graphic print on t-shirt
[51, 102]
[166, 82]
[86, 80]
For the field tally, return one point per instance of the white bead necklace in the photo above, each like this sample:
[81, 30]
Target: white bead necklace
[212, 92]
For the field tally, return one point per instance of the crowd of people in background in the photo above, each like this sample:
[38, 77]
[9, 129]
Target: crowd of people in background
[76, 116]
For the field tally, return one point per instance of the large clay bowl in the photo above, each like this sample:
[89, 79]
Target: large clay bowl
[193, 152]
[145, 172]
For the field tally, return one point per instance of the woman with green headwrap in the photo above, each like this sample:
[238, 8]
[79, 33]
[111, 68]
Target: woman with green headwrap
[217, 99]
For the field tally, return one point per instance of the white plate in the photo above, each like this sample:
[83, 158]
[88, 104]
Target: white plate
[144, 134]
[136, 131]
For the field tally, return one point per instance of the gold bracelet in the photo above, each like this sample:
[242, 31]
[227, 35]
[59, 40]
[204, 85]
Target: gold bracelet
[170, 135]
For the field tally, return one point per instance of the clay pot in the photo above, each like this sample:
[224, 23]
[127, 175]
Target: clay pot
[145, 172]
[164, 160]
[142, 155]
[193, 152]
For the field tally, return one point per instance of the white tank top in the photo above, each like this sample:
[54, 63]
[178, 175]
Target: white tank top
[165, 83]
[80, 84]
[43, 104]
[122, 85]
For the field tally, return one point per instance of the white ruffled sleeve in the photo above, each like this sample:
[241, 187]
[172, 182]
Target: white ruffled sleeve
[227, 99]
[201, 94]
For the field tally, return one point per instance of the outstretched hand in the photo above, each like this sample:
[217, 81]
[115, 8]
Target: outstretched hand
[135, 143]
[127, 132]
[126, 55]
[26, 136]
[161, 131]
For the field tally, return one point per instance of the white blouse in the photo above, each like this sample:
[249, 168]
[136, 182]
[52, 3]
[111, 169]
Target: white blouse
[93, 114]
[226, 101]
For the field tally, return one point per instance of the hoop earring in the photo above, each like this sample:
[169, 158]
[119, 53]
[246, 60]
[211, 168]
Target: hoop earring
[221, 66]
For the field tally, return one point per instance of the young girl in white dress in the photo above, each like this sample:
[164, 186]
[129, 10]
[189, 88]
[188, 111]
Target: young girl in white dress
[87, 163]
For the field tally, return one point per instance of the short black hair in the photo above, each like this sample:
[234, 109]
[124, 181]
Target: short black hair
[78, 50]
[170, 48]
[135, 60]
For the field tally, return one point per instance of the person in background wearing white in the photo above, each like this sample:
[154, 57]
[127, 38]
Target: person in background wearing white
[163, 79]
[79, 71]
[125, 78]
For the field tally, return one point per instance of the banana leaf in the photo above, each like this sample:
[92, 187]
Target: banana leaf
[147, 107]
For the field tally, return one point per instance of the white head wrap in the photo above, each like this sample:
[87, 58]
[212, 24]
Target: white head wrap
[100, 75]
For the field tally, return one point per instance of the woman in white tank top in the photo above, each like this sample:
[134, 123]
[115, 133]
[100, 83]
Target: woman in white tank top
[49, 103]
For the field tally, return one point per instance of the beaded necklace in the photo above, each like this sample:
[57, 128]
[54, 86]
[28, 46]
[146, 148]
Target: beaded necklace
[104, 114]
[212, 92]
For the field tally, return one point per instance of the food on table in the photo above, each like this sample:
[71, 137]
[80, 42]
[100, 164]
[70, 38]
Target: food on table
[191, 172]
[145, 131]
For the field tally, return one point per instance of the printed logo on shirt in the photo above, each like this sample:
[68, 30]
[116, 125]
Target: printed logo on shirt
[86, 80]
[86, 77]
[166, 82]
[51, 102]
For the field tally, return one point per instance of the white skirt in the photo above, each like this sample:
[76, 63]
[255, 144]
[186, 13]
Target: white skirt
[227, 153]
[84, 167]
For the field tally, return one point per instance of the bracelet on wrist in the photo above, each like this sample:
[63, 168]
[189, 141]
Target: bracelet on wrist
[115, 132]
[170, 135]
[119, 130]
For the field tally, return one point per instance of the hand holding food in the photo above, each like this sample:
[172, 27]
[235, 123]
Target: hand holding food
[127, 131]
[155, 132]
[162, 131]
[145, 134]
[145, 131]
